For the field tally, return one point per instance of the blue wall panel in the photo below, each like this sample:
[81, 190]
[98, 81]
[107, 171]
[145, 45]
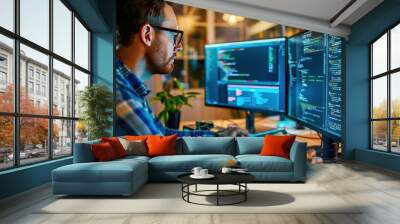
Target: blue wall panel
[24, 178]
[357, 83]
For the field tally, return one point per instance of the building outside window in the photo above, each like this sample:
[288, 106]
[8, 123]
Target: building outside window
[37, 74]
[56, 130]
[385, 94]
[43, 90]
[30, 87]
[30, 72]
[3, 72]
[3, 78]
[3, 61]
[38, 89]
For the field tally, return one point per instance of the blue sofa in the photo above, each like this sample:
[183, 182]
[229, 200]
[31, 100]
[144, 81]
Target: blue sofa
[125, 176]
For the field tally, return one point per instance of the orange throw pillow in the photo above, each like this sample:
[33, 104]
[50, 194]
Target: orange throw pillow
[277, 145]
[116, 145]
[161, 145]
[103, 152]
[135, 137]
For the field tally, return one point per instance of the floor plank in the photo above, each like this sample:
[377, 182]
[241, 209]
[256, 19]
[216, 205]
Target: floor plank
[376, 190]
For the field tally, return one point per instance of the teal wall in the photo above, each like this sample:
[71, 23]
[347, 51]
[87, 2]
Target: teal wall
[103, 50]
[99, 15]
[357, 100]
[24, 178]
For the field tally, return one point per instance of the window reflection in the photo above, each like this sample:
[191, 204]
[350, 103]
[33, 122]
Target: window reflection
[81, 45]
[62, 138]
[379, 98]
[34, 144]
[6, 142]
[379, 56]
[62, 29]
[6, 74]
[379, 135]
[38, 102]
[81, 82]
[34, 21]
[395, 136]
[62, 89]
[7, 14]
[395, 47]
[395, 95]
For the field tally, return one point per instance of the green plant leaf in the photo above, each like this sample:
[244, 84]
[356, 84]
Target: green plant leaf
[96, 104]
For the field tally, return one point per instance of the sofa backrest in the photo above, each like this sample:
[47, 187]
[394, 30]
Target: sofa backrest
[83, 152]
[206, 145]
[249, 145]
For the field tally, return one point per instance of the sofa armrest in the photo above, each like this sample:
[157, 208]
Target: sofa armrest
[83, 152]
[299, 158]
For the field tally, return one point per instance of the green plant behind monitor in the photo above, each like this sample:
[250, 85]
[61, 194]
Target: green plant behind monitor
[173, 103]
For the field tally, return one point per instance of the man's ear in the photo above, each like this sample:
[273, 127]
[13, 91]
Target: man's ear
[147, 34]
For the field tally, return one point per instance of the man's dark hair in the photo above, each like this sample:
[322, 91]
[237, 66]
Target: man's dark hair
[132, 14]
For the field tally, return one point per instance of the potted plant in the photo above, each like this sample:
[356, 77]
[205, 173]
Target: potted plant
[171, 112]
[96, 102]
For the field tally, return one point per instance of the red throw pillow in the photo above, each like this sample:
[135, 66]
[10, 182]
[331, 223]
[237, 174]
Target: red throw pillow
[135, 137]
[161, 145]
[116, 145]
[103, 152]
[277, 145]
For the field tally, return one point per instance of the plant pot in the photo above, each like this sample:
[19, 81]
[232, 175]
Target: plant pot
[173, 120]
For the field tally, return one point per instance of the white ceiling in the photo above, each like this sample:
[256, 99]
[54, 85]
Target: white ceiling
[321, 9]
[313, 15]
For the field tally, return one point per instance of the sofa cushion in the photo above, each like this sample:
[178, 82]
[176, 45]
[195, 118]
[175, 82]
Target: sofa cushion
[134, 147]
[135, 137]
[103, 152]
[116, 145]
[249, 145]
[83, 152]
[257, 163]
[277, 145]
[161, 145]
[206, 145]
[185, 163]
[112, 171]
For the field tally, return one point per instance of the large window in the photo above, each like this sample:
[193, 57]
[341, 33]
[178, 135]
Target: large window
[44, 64]
[385, 92]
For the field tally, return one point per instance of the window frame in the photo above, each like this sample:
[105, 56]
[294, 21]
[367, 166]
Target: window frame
[16, 115]
[388, 74]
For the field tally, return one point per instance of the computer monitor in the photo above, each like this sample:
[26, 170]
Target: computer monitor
[248, 75]
[315, 66]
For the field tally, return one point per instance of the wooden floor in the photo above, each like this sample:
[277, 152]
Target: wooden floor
[378, 189]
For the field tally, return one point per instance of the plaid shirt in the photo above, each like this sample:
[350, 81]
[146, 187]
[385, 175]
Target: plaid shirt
[135, 116]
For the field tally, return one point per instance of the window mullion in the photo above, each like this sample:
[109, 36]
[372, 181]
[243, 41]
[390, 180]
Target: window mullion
[73, 82]
[50, 81]
[16, 70]
[389, 105]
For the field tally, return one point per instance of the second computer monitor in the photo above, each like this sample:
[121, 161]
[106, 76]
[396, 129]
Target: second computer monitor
[248, 75]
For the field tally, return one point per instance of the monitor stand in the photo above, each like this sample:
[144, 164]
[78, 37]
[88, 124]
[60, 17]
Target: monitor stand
[251, 129]
[250, 122]
[328, 151]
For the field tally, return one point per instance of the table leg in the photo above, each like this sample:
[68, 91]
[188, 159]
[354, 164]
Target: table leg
[188, 190]
[217, 194]
[196, 188]
[245, 193]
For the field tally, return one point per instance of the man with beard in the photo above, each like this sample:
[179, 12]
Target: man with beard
[148, 40]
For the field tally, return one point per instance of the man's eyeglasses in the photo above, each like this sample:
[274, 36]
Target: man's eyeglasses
[178, 37]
